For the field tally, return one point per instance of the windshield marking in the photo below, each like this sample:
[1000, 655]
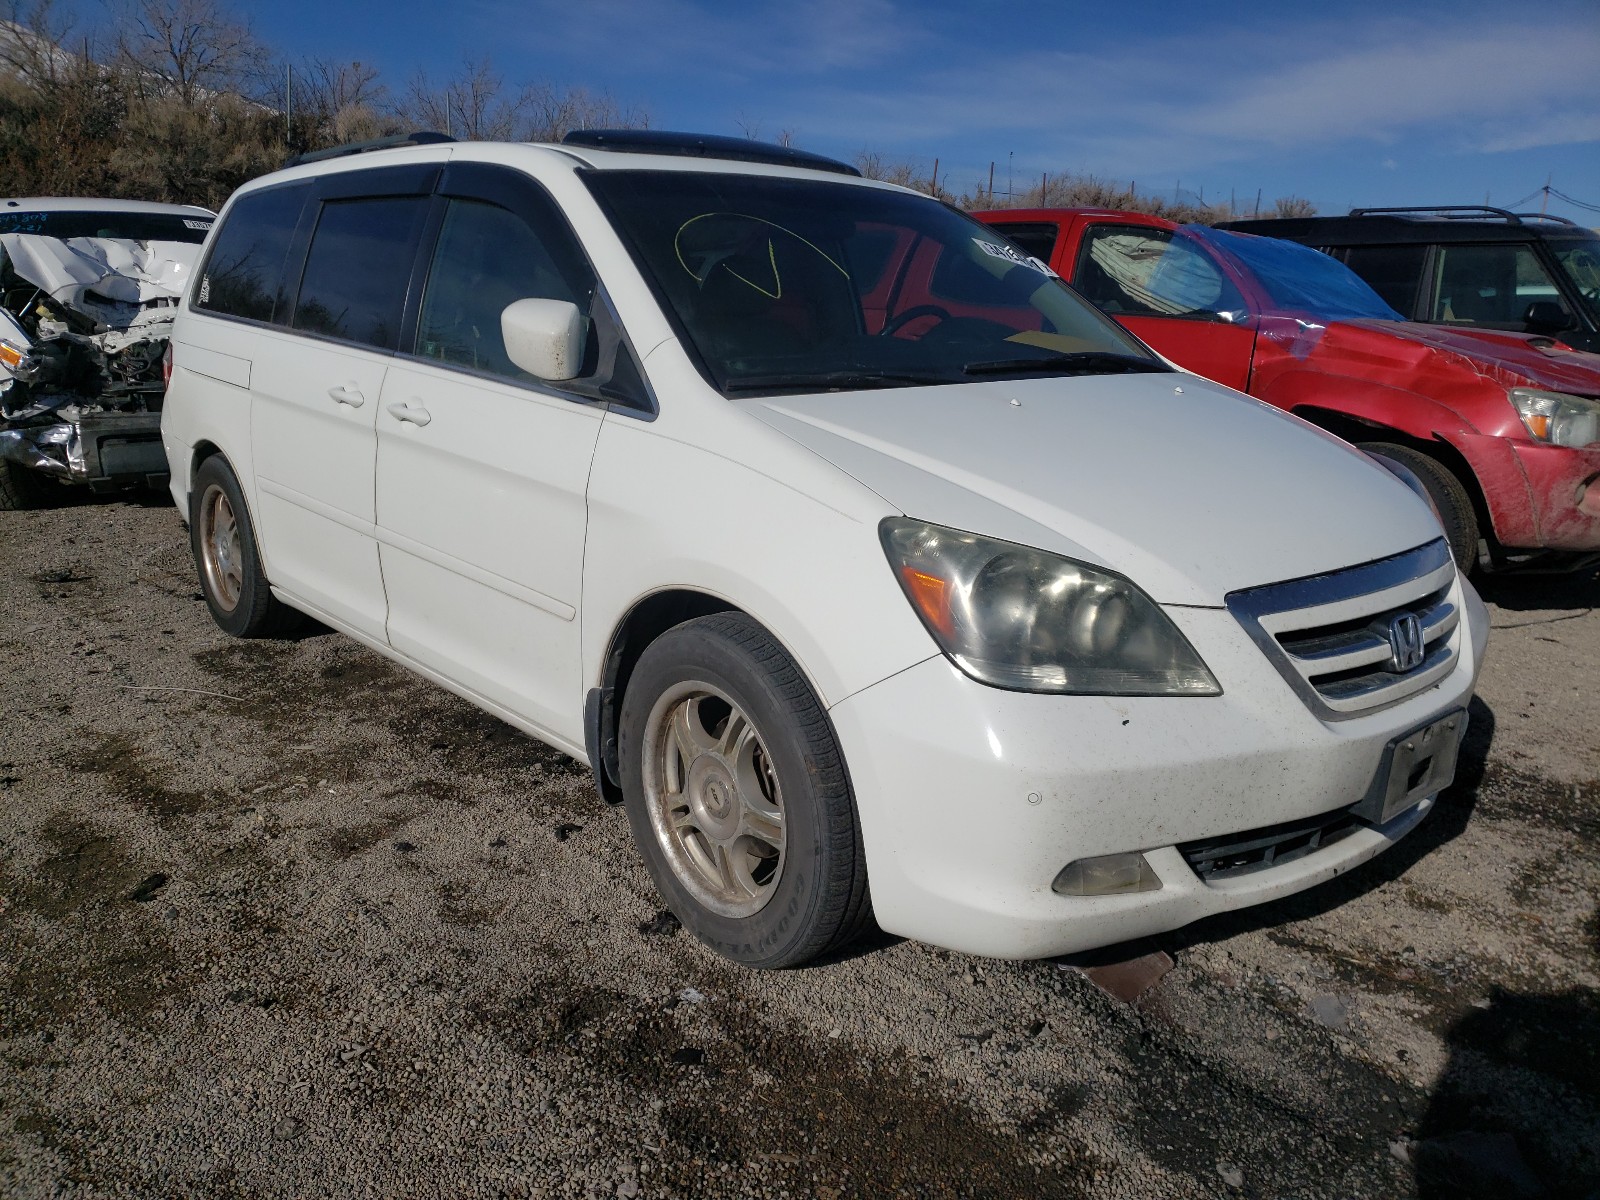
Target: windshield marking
[772, 254]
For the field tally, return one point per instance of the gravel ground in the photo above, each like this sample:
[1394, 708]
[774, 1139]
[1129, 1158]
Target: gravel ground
[279, 919]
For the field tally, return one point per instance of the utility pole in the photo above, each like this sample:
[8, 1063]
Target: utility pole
[1009, 193]
[1548, 180]
[288, 106]
[991, 181]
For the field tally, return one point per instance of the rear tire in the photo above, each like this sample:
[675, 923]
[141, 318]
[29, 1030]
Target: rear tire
[223, 540]
[738, 797]
[1449, 496]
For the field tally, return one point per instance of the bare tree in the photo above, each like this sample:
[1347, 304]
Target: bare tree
[330, 102]
[191, 49]
[1293, 206]
[477, 105]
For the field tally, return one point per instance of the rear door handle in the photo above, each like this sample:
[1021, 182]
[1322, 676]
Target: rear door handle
[417, 415]
[350, 395]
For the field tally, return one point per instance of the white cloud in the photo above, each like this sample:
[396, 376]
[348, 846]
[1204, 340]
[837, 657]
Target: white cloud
[1163, 105]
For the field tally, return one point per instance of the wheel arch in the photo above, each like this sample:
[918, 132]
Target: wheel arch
[648, 618]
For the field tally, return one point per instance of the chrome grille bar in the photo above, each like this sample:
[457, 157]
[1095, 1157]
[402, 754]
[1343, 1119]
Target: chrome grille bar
[1328, 635]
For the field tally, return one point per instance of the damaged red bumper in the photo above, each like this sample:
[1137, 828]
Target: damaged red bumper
[1539, 497]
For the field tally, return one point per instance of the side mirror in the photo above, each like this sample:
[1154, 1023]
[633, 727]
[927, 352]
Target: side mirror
[544, 337]
[1547, 316]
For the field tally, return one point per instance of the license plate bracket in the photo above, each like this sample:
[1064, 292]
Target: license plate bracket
[1415, 765]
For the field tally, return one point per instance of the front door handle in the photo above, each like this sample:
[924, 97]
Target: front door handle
[417, 414]
[350, 395]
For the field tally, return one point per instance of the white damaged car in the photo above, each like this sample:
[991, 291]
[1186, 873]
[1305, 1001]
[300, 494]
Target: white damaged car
[869, 567]
[88, 292]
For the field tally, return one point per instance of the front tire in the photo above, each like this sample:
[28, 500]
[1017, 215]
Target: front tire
[1449, 497]
[21, 487]
[738, 797]
[223, 540]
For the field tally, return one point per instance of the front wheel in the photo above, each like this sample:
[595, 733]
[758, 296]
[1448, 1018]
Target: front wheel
[738, 796]
[1449, 498]
[224, 543]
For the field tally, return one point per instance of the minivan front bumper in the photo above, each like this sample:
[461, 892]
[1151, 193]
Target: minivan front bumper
[973, 799]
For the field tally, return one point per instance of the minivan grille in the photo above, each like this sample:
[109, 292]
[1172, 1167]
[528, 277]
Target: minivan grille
[1334, 637]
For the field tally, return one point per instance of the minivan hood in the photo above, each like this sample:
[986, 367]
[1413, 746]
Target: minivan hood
[1188, 488]
[1516, 359]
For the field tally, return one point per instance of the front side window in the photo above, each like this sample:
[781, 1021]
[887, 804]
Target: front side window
[485, 259]
[243, 275]
[808, 285]
[354, 286]
[1143, 271]
[1491, 286]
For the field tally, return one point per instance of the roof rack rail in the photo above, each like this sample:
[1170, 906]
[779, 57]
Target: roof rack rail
[1548, 217]
[1463, 212]
[421, 137]
[703, 145]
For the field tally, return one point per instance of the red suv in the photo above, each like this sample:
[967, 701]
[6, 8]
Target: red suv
[1502, 428]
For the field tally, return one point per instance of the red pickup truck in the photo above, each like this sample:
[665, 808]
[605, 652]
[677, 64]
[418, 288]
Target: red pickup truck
[1503, 429]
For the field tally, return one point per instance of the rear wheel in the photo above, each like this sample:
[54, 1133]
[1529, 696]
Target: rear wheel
[738, 796]
[224, 544]
[1449, 497]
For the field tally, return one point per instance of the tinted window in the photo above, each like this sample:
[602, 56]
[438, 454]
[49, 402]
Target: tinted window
[1394, 272]
[1143, 271]
[243, 275]
[1037, 240]
[485, 259]
[354, 285]
[133, 227]
[1490, 286]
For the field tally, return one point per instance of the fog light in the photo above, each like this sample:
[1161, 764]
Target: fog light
[1107, 875]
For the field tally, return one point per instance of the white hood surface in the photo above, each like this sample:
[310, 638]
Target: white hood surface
[1186, 487]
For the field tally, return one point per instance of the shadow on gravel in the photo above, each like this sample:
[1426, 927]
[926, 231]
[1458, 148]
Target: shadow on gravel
[1528, 593]
[1521, 1084]
[1449, 817]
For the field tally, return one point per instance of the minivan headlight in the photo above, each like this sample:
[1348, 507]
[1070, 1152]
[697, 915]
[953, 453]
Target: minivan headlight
[1023, 619]
[1556, 417]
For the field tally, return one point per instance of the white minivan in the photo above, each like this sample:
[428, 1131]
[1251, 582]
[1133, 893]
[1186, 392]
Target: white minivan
[873, 571]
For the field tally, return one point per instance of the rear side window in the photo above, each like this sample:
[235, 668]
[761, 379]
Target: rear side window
[1039, 240]
[243, 275]
[1394, 272]
[354, 285]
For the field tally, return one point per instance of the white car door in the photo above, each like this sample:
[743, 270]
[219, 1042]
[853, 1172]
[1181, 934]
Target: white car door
[482, 470]
[314, 403]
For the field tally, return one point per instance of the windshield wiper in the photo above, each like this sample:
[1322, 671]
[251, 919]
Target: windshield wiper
[1084, 362]
[823, 381]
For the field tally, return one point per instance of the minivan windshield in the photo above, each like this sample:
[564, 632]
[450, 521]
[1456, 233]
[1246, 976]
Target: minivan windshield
[801, 285]
[1297, 278]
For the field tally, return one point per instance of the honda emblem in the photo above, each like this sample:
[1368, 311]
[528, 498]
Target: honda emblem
[1405, 643]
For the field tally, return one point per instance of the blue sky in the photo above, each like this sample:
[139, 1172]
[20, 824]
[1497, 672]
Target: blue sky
[1349, 103]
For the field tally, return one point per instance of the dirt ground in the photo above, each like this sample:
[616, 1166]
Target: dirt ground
[279, 919]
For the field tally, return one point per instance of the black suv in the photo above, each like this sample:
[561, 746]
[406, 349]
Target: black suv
[1484, 267]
